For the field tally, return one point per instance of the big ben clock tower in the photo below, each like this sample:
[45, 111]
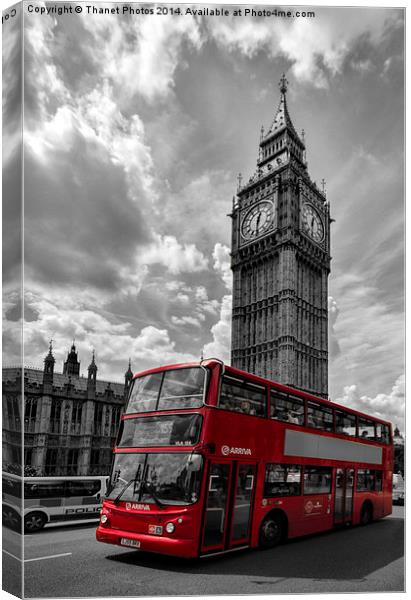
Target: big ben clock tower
[280, 263]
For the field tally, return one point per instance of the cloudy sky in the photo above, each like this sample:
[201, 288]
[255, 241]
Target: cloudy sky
[135, 130]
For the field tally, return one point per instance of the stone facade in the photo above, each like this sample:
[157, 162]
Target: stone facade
[280, 263]
[70, 422]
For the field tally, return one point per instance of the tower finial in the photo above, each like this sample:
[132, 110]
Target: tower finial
[51, 346]
[323, 186]
[283, 84]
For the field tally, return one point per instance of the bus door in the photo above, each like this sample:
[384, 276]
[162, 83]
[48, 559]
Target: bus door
[343, 500]
[228, 505]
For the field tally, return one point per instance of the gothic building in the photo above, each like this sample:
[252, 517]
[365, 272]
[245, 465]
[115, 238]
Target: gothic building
[280, 263]
[69, 422]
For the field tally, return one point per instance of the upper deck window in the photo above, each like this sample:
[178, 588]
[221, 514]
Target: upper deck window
[288, 408]
[345, 423]
[366, 429]
[382, 433]
[320, 416]
[243, 396]
[167, 390]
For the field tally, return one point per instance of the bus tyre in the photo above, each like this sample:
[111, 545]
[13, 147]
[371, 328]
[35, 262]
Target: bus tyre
[272, 531]
[11, 519]
[34, 521]
[366, 513]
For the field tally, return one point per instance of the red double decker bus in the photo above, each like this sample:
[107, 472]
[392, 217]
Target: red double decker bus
[210, 459]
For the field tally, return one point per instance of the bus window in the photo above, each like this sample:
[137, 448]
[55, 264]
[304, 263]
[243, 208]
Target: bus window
[382, 433]
[243, 396]
[165, 390]
[287, 408]
[317, 480]
[182, 388]
[319, 416]
[345, 423]
[386, 436]
[166, 430]
[282, 480]
[144, 393]
[366, 429]
[369, 480]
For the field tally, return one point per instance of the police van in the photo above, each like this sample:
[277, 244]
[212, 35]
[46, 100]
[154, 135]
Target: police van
[51, 500]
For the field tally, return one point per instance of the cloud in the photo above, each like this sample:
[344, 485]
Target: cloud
[142, 55]
[370, 336]
[221, 332]
[316, 47]
[177, 258]
[114, 339]
[186, 320]
[222, 264]
[390, 407]
[334, 348]
[220, 347]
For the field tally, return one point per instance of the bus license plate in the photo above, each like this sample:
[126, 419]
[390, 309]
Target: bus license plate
[130, 543]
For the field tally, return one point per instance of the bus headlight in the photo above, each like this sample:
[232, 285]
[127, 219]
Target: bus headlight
[170, 527]
[103, 519]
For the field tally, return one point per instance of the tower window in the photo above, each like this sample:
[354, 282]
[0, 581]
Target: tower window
[55, 414]
[76, 417]
[52, 460]
[30, 414]
[72, 461]
[98, 419]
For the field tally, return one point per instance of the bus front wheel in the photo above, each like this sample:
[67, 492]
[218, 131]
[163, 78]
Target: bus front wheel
[34, 521]
[272, 531]
[366, 513]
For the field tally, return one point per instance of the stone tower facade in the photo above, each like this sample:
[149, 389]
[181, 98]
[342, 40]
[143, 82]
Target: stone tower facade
[280, 263]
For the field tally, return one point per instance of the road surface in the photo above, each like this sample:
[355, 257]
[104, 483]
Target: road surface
[67, 561]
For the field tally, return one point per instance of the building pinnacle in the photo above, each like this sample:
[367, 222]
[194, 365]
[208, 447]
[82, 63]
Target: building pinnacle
[283, 84]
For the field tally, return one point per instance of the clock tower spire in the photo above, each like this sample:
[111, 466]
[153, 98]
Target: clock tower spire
[280, 263]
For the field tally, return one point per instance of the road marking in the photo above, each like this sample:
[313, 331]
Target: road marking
[12, 555]
[39, 558]
[47, 557]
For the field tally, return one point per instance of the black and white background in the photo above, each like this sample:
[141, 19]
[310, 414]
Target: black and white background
[135, 128]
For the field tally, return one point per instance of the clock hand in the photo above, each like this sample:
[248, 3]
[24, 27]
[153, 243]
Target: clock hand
[258, 222]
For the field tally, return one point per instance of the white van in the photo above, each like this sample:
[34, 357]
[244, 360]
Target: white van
[398, 489]
[51, 500]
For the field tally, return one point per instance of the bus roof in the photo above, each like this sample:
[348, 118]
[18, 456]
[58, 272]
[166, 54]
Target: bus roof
[279, 386]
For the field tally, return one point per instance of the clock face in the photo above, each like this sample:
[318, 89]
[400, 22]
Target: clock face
[257, 220]
[312, 223]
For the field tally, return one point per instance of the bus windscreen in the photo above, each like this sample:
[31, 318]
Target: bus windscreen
[152, 478]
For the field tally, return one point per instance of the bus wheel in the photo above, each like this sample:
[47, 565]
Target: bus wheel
[366, 513]
[272, 531]
[11, 519]
[34, 521]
